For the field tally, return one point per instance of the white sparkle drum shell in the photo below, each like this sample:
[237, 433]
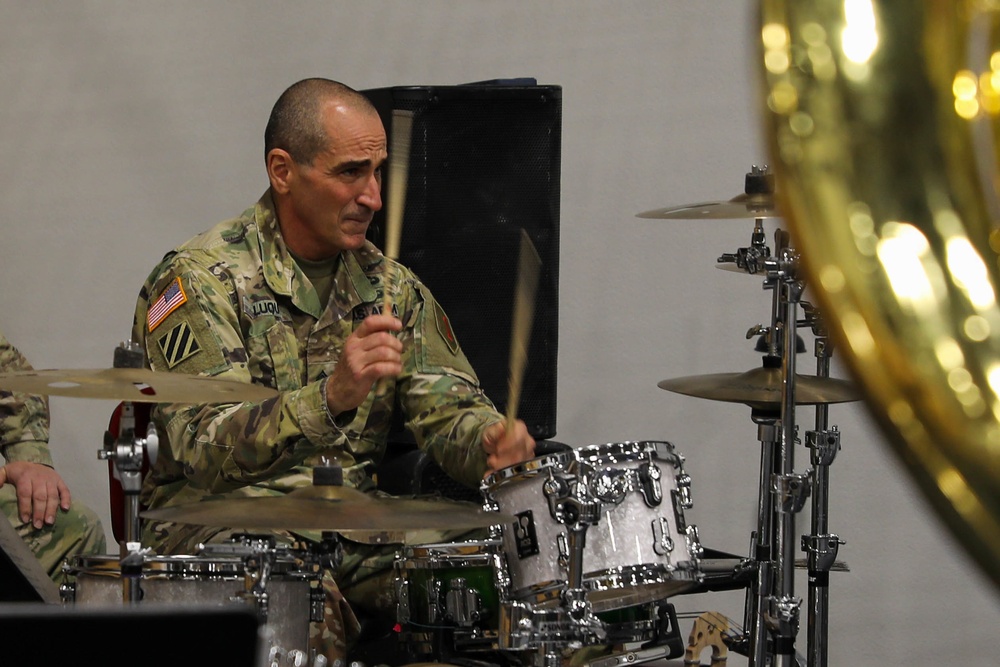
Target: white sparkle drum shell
[205, 581]
[535, 545]
[641, 549]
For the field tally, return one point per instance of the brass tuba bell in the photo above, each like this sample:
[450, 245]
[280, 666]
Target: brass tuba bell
[881, 121]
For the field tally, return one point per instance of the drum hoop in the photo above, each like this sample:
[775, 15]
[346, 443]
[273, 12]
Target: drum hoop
[525, 470]
[448, 554]
[629, 450]
[184, 565]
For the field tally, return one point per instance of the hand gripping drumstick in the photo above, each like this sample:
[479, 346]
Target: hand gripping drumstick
[399, 162]
[524, 307]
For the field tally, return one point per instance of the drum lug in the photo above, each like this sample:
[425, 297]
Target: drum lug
[663, 544]
[649, 484]
[684, 490]
[462, 603]
[694, 542]
[434, 598]
[403, 600]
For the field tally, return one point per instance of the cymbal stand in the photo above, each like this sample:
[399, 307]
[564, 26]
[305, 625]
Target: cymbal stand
[763, 548]
[772, 610]
[790, 488]
[126, 454]
[820, 547]
[754, 259]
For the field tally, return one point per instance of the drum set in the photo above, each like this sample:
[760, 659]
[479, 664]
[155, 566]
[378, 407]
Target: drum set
[582, 548]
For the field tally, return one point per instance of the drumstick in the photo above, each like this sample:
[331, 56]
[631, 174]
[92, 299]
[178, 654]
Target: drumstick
[399, 162]
[524, 307]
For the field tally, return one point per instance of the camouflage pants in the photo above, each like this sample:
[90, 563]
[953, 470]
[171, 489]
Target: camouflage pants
[77, 532]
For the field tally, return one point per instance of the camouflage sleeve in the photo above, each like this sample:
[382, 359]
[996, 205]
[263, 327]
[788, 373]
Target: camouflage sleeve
[24, 418]
[219, 447]
[447, 410]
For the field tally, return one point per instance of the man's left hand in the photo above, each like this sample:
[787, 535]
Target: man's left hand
[506, 446]
[40, 491]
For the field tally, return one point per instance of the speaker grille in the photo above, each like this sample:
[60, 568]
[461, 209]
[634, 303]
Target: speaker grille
[484, 164]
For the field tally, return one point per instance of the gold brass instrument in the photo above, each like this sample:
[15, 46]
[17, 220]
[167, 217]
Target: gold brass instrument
[881, 122]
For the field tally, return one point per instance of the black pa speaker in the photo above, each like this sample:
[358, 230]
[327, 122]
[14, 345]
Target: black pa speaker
[484, 163]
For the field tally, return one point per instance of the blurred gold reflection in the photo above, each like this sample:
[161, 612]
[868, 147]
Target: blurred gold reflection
[881, 123]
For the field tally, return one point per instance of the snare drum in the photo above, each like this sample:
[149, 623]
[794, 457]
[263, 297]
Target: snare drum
[535, 546]
[448, 592]
[641, 549]
[284, 599]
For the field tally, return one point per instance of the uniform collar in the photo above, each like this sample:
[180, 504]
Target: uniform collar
[285, 277]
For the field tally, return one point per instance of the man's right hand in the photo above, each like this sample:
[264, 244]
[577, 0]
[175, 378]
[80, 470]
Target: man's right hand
[370, 353]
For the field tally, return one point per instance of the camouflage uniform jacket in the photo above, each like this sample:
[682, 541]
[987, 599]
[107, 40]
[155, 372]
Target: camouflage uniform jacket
[232, 303]
[24, 418]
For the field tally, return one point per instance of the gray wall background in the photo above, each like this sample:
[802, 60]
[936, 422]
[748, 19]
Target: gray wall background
[126, 127]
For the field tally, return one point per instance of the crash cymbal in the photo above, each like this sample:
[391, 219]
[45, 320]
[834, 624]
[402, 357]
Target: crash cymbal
[761, 388]
[133, 384]
[336, 508]
[743, 206]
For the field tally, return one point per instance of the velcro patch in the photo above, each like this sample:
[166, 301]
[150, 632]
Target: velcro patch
[178, 344]
[444, 328]
[172, 298]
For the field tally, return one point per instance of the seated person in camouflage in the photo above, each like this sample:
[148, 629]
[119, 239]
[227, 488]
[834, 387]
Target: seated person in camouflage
[290, 295]
[33, 495]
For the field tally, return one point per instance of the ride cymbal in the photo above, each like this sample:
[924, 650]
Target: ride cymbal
[336, 508]
[138, 385]
[761, 388]
[743, 206]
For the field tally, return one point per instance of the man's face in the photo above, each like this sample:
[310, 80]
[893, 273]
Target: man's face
[330, 203]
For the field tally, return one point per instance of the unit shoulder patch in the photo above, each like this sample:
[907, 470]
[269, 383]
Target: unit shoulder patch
[178, 344]
[444, 328]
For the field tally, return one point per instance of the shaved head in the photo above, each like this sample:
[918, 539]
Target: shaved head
[296, 122]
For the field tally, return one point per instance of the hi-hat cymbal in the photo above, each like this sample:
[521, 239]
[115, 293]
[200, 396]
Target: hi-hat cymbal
[138, 385]
[743, 206]
[761, 388]
[336, 508]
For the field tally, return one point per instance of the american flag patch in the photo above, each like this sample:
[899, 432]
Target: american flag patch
[172, 298]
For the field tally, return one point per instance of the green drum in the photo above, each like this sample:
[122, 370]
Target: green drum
[447, 596]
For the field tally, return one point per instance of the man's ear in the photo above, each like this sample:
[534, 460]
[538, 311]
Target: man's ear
[280, 169]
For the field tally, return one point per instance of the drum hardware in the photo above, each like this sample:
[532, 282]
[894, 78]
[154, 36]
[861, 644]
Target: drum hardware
[448, 597]
[773, 392]
[277, 582]
[821, 547]
[127, 453]
[750, 259]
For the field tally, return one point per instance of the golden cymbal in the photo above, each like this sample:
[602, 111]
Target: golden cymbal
[138, 385]
[761, 388]
[743, 206]
[337, 508]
